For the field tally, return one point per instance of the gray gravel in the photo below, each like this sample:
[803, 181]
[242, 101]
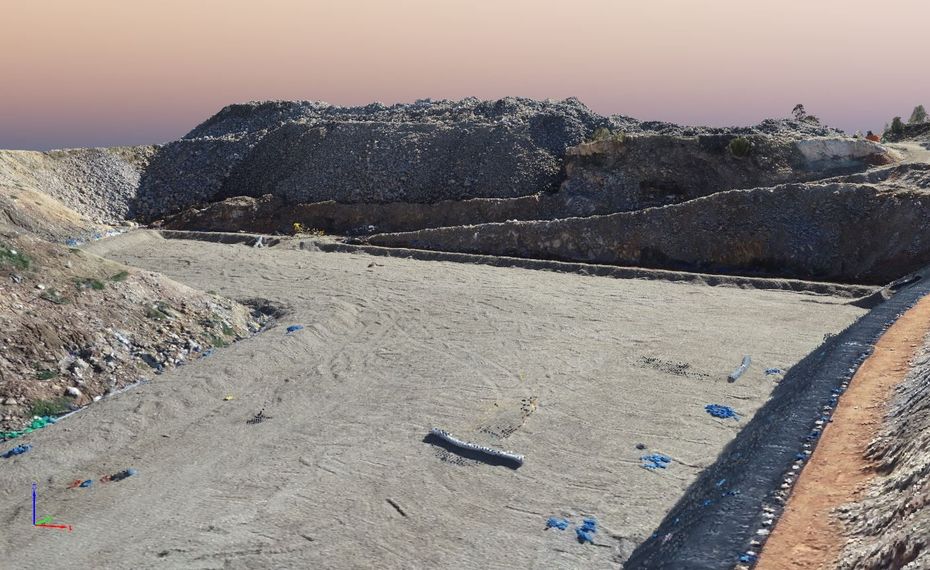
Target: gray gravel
[420, 152]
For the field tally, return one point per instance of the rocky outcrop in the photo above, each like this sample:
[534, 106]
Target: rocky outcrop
[846, 230]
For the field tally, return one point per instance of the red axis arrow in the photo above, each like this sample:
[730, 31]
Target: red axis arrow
[58, 526]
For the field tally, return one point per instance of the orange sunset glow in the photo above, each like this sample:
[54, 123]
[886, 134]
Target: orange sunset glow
[112, 72]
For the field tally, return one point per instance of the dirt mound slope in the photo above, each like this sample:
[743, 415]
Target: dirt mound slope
[869, 228]
[76, 326]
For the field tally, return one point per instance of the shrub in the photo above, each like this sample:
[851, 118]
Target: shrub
[53, 407]
[218, 342]
[89, 283]
[605, 134]
[53, 296]
[160, 311]
[740, 147]
[121, 276]
[46, 374]
[17, 259]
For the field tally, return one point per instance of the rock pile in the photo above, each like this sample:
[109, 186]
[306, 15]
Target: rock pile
[422, 152]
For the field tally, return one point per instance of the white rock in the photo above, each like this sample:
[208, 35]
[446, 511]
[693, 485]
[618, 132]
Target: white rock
[74, 392]
[10, 402]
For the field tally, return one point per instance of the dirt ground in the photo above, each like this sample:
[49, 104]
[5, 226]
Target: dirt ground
[571, 371]
[808, 536]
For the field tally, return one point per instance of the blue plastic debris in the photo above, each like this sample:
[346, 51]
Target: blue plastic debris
[556, 522]
[87, 483]
[721, 482]
[723, 412]
[207, 352]
[748, 558]
[294, 328]
[19, 449]
[771, 371]
[655, 461]
[586, 531]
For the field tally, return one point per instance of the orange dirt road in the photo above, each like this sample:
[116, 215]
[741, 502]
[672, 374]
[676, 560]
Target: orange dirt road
[807, 536]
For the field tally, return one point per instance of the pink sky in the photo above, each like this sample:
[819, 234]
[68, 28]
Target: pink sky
[108, 72]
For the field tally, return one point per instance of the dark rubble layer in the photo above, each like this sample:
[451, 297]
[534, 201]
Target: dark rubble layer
[865, 228]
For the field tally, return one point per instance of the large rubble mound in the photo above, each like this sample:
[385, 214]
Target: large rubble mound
[306, 152]
[422, 152]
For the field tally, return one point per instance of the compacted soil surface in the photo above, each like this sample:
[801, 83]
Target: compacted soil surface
[306, 449]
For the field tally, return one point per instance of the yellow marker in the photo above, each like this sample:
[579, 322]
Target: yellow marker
[228, 398]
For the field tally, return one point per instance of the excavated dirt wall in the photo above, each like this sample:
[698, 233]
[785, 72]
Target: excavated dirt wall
[636, 172]
[834, 231]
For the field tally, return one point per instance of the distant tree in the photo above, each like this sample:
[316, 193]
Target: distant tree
[799, 113]
[897, 126]
[918, 116]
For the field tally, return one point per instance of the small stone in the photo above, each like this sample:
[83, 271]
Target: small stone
[10, 402]
[40, 287]
[73, 392]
